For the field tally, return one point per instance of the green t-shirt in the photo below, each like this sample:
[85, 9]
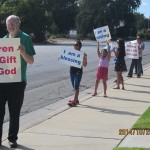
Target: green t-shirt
[26, 41]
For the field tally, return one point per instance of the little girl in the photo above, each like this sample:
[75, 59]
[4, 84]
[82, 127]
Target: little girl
[102, 72]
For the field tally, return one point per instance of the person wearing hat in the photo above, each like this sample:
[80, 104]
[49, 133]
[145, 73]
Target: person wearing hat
[137, 63]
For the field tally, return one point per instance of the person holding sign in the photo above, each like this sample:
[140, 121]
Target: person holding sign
[102, 72]
[137, 63]
[76, 75]
[120, 64]
[13, 93]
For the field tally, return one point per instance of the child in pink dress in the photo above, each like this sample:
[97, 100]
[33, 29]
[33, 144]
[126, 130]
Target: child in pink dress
[102, 71]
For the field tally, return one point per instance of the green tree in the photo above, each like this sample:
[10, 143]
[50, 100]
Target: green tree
[105, 12]
[63, 13]
[31, 12]
[139, 21]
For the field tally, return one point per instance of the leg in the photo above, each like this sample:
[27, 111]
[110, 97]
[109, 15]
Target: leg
[139, 67]
[122, 80]
[135, 68]
[77, 81]
[118, 80]
[15, 101]
[105, 88]
[76, 94]
[96, 87]
[133, 64]
[3, 100]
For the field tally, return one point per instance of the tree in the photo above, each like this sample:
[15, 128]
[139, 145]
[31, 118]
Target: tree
[140, 21]
[31, 12]
[41, 17]
[105, 12]
[63, 14]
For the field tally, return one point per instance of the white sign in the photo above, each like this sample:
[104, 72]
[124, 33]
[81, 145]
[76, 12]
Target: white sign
[102, 34]
[132, 50]
[10, 66]
[73, 33]
[71, 58]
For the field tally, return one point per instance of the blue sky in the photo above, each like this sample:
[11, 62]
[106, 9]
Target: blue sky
[144, 8]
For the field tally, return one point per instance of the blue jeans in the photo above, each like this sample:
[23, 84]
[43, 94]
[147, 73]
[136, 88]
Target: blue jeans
[76, 79]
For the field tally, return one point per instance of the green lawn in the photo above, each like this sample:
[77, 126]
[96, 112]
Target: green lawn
[142, 123]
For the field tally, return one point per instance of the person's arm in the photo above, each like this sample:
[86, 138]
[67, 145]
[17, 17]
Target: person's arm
[29, 59]
[116, 52]
[98, 49]
[142, 47]
[108, 47]
[85, 60]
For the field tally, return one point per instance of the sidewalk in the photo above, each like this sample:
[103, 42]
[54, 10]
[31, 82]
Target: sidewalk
[92, 125]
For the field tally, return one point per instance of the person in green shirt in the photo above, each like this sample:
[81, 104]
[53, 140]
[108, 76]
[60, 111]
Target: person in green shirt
[13, 93]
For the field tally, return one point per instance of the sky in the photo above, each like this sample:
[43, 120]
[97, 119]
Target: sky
[144, 8]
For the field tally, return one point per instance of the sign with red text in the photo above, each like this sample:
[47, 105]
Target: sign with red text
[10, 64]
[102, 34]
[132, 50]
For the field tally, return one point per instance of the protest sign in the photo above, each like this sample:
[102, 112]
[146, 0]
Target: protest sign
[132, 50]
[10, 66]
[71, 58]
[102, 34]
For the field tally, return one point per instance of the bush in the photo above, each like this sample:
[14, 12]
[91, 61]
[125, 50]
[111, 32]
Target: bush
[147, 36]
[141, 35]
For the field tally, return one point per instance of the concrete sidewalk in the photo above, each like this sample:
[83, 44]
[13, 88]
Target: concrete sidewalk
[92, 125]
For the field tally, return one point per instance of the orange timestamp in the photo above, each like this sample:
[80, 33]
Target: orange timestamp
[134, 131]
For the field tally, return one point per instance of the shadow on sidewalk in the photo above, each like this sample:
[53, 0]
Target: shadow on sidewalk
[20, 147]
[130, 100]
[139, 91]
[137, 85]
[111, 111]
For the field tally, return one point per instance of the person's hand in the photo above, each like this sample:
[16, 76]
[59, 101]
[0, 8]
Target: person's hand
[22, 49]
[85, 60]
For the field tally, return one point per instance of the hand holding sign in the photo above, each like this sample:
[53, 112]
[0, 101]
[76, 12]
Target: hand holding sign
[22, 49]
[102, 34]
[71, 57]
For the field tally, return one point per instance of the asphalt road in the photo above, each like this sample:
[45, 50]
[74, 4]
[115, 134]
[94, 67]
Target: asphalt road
[49, 82]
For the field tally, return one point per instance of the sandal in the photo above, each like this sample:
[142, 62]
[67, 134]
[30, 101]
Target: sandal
[72, 104]
[77, 102]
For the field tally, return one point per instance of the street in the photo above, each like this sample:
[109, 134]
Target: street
[49, 81]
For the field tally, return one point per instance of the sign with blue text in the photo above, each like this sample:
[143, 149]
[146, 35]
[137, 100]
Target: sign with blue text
[10, 64]
[102, 34]
[71, 57]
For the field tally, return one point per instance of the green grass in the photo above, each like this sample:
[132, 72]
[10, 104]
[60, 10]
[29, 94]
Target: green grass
[144, 121]
[131, 149]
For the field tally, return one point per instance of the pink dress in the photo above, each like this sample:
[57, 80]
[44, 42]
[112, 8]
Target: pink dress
[102, 71]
